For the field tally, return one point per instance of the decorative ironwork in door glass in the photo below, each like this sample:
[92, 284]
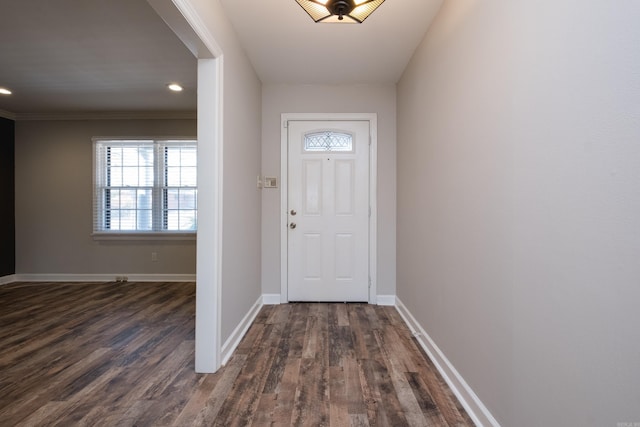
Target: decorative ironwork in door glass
[328, 141]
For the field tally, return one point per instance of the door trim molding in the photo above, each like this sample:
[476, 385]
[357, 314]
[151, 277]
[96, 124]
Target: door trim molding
[372, 118]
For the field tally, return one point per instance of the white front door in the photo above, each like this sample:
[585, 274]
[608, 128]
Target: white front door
[328, 211]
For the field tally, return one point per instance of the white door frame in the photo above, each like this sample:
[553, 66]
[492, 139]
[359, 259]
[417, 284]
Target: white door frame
[372, 118]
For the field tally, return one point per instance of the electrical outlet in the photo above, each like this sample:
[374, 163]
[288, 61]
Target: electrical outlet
[154, 256]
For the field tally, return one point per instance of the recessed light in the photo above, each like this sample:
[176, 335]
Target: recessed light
[175, 87]
[5, 91]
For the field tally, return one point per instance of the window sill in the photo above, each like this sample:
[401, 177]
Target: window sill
[167, 236]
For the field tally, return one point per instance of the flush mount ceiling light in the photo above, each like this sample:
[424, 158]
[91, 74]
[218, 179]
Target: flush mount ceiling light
[5, 91]
[339, 11]
[175, 87]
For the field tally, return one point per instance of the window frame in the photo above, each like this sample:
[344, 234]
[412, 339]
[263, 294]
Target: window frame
[158, 190]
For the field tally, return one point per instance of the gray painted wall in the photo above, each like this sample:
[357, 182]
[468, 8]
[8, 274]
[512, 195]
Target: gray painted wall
[241, 199]
[518, 205]
[380, 99]
[241, 158]
[54, 197]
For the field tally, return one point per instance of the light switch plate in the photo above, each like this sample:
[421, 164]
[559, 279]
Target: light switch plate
[270, 182]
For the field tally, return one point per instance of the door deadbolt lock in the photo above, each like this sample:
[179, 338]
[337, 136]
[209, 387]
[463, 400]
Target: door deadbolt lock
[292, 225]
[293, 212]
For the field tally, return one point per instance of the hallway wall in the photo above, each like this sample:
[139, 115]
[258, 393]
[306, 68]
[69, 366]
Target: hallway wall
[518, 205]
[241, 164]
[380, 99]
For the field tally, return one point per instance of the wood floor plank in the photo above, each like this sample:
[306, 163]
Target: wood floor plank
[371, 394]
[43, 413]
[410, 406]
[80, 402]
[201, 394]
[353, 386]
[265, 409]
[298, 326]
[338, 400]
[208, 413]
[276, 371]
[450, 409]
[311, 407]
[125, 416]
[20, 409]
[283, 411]
[358, 420]
[377, 387]
[243, 399]
[122, 354]
[429, 409]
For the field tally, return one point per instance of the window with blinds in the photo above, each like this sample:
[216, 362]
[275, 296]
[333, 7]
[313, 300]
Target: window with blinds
[145, 186]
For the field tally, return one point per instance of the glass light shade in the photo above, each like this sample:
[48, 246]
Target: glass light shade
[354, 11]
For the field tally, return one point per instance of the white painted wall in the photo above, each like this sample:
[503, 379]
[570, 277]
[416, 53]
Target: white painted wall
[241, 164]
[54, 202]
[380, 99]
[518, 204]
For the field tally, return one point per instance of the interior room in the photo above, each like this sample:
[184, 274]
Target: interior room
[500, 193]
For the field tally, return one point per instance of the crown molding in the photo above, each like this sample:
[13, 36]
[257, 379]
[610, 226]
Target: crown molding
[7, 115]
[121, 115]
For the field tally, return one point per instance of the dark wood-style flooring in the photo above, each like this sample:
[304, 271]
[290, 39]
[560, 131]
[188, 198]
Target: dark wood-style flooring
[121, 354]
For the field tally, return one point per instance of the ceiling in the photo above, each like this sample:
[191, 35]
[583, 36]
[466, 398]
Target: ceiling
[286, 46]
[99, 56]
[70, 56]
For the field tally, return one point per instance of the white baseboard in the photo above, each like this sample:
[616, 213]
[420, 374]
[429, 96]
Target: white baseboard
[5, 280]
[472, 404]
[236, 336]
[271, 299]
[387, 300]
[104, 277]
[274, 299]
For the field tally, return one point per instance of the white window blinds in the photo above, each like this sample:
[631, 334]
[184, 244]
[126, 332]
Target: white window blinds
[145, 186]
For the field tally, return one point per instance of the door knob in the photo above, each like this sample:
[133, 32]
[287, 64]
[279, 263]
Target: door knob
[293, 212]
[292, 225]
